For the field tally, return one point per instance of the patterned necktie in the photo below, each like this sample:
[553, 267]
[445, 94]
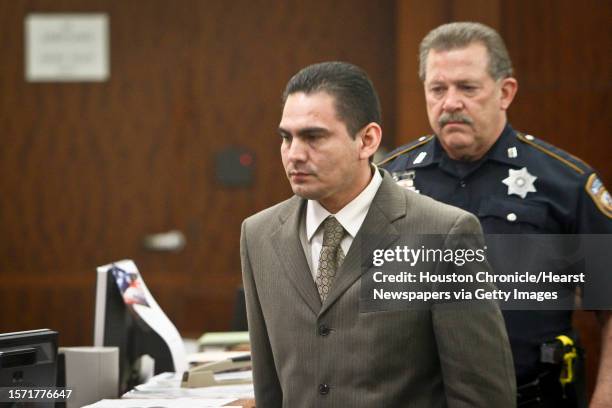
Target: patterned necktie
[331, 255]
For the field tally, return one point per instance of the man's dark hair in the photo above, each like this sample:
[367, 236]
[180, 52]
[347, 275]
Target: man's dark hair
[355, 98]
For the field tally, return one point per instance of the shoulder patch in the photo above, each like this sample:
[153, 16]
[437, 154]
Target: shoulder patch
[601, 197]
[405, 149]
[569, 160]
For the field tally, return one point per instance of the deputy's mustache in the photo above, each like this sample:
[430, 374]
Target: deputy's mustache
[447, 118]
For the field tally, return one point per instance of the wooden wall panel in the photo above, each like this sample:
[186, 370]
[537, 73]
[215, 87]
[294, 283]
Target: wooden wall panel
[413, 22]
[561, 53]
[88, 169]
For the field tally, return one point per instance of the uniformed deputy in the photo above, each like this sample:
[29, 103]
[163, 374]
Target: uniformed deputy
[514, 183]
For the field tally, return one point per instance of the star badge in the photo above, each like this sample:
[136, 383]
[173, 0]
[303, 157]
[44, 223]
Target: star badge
[520, 182]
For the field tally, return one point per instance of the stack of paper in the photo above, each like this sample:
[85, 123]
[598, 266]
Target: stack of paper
[213, 355]
[163, 403]
[168, 385]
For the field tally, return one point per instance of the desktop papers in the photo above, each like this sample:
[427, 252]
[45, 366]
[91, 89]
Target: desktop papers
[213, 355]
[164, 391]
[163, 403]
[168, 385]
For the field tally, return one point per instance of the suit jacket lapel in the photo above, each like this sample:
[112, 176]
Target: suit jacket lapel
[376, 232]
[289, 250]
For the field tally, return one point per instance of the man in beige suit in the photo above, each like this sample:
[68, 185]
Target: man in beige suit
[316, 341]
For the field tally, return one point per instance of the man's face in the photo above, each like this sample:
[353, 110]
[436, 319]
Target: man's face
[321, 159]
[465, 105]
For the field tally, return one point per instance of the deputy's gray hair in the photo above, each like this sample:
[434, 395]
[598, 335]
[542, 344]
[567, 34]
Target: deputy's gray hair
[462, 34]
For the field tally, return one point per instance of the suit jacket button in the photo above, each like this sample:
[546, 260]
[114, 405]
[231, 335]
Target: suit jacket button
[323, 389]
[324, 330]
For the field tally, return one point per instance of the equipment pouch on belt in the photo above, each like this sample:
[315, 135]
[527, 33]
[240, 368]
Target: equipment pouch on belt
[561, 382]
[562, 351]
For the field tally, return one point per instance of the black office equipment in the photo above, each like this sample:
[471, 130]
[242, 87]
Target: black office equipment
[116, 324]
[239, 318]
[28, 359]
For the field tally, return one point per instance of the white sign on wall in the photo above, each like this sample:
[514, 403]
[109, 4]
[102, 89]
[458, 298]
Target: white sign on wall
[66, 47]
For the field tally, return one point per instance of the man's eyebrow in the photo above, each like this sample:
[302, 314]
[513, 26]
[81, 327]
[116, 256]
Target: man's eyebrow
[305, 131]
[435, 82]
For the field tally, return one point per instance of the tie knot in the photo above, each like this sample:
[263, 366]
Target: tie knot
[333, 232]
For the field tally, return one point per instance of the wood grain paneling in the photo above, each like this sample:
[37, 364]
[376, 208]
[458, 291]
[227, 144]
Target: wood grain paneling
[561, 52]
[88, 169]
[413, 22]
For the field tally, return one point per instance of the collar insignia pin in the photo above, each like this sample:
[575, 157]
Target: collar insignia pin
[520, 182]
[512, 152]
[419, 158]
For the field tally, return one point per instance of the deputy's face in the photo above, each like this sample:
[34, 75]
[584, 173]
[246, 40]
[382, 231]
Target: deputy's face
[321, 159]
[465, 105]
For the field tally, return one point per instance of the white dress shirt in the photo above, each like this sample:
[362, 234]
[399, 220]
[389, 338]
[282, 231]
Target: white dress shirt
[351, 217]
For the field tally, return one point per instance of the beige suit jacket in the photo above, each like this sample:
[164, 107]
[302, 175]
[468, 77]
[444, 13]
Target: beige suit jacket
[308, 354]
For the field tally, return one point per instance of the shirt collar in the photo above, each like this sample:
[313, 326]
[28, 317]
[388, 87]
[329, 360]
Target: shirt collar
[430, 153]
[507, 149]
[351, 216]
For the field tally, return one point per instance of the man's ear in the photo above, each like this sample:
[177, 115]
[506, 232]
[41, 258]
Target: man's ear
[371, 136]
[509, 86]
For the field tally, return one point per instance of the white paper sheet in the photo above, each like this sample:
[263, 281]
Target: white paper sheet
[214, 355]
[168, 385]
[163, 403]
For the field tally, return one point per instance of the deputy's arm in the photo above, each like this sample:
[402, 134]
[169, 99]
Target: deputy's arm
[602, 397]
[594, 216]
[268, 392]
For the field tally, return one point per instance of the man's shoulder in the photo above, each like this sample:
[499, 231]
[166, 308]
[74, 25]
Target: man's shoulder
[567, 174]
[430, 210]
[406, 152]
[272, 215]
[545, 154]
